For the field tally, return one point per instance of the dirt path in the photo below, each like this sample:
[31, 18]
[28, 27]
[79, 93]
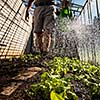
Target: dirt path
[12, 87]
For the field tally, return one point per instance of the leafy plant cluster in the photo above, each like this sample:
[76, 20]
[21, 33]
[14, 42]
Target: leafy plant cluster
[23, 60]
[67, 79]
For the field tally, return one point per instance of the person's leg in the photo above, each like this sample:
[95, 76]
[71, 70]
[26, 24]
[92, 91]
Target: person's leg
[46, 41]
[49, 42]
[43, 41]
[48, 28]
[38, 41]
[38, 26]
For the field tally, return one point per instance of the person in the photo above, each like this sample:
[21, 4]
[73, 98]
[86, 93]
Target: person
[43, 23]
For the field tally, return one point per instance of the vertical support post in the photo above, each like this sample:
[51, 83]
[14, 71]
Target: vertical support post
[84, 16]
[97, 8]
[81, 18]
[90, 11]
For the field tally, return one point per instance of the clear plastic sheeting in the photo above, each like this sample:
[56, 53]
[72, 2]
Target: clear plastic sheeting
[88, 38]
[88, 32]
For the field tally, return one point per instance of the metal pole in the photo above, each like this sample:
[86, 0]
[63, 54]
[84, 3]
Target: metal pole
[84, 16]
[90, 11]
[97, 8]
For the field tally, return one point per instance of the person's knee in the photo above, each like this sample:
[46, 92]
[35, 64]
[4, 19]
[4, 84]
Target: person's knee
[38, 34]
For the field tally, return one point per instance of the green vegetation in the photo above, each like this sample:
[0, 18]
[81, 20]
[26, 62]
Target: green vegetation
[66, 12]
[67, 79]
[23, 60]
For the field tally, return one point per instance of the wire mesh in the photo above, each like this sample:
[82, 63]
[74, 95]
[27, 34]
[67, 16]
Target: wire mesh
[14, 30]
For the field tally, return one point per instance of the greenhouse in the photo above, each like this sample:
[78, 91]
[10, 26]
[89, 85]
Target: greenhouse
[49, 49]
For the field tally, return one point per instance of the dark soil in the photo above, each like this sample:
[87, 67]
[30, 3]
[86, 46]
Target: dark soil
[9, 69]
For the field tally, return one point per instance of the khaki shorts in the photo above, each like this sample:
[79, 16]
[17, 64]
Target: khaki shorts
[44, 19]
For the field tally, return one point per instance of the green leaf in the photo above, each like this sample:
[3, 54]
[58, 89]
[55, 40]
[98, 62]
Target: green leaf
[55, 96]
[65, 71]
[75, 97]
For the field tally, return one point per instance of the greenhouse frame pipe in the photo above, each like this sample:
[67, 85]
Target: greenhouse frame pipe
[84, 16]
[90, 11]
[83, 7]
[77, 5]
[75, 10]
[97, 8]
